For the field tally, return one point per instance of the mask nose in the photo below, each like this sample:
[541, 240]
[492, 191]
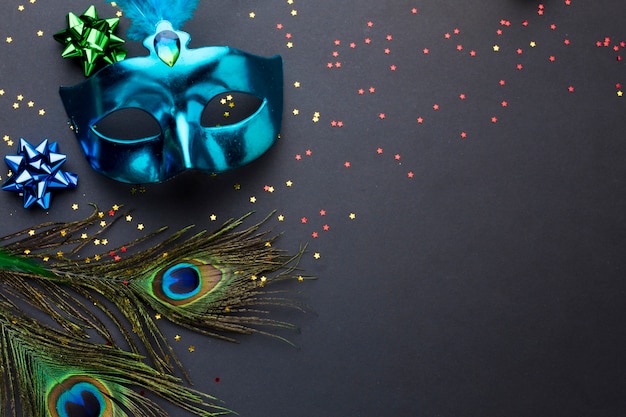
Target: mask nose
[183, 132]
[192, 148]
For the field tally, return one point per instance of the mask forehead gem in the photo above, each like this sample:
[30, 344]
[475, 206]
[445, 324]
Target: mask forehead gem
[167, 46]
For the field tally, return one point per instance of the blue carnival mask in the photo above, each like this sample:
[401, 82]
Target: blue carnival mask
[174, 84]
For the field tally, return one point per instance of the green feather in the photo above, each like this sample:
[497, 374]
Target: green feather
[13, 263]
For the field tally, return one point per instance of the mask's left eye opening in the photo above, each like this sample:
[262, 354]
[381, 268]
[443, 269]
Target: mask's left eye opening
[229, 108]
[128, 124]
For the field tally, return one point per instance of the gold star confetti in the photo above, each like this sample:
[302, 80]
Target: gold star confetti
[157, 316]
[16, 105]
[289, 183]
[9, 39]
[496, 48]
[192, 348]
[352, 216]
[26, 251]
[74, 206]
[140, 226]
[84, 236]
[40, 33]
[103, 223]
[237, 186]
[289, 1]
[620, 93]
[31, 232]
[300, 278]
[294, 12]
[253, 277]
[96, 242]
[177, 337]
[100, 214]
[317, 255]
[60, 254]
[129, 218]
[20, 97]
[213, 217]
[281, 218]
[1, 92]
[20, 7]
[42, 112]
[253, 199]
[289, 45]
[252, 15]
[105, 241]
[533, 44]
[296, 112]
[296, 84]
[115, 207]
[31, 103]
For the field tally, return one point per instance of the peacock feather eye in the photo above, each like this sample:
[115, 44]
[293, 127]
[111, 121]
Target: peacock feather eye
[181, 281]
[185, 281]
[80, 396]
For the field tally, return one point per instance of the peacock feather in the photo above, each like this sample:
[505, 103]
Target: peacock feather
[212, 283]
[49, 373]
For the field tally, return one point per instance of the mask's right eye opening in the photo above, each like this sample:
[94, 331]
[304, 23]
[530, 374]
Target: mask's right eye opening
[128, 124]
[229, 108]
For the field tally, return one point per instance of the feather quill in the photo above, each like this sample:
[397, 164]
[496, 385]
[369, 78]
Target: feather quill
[145, 14]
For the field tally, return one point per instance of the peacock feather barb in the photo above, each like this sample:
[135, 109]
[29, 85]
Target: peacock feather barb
[63, 358]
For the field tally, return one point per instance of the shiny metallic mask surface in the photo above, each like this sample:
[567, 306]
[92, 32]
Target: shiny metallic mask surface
[175, 95]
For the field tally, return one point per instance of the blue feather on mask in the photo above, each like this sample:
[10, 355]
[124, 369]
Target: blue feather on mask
[146, 14]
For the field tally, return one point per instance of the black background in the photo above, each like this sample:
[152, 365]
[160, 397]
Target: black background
[480, 276]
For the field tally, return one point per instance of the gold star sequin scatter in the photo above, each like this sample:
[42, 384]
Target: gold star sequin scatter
[376, 42]
[364, 103]
[21, 103]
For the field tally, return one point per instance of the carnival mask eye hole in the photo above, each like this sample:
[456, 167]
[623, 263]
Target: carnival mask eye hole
[128, 124]
[229, 108]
